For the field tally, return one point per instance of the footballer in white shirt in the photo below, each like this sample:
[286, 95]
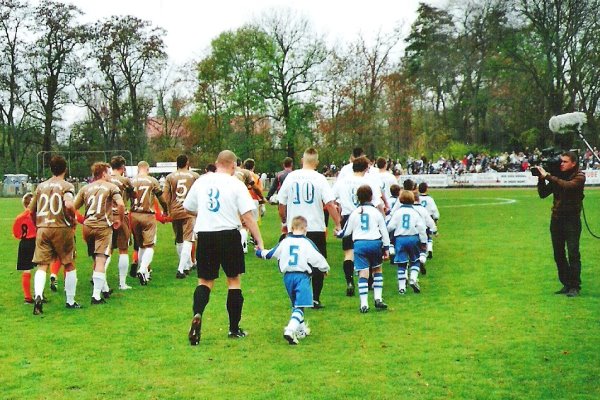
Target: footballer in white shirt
[429, 203]
[305, 192]
[410, 236]
[219, 200]
[345, 193]
[368, 231]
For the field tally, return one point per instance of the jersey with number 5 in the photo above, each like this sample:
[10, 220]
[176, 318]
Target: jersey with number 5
[177, 186]
[48, 203]
[296, 253]
[304, 192]
[406, 221]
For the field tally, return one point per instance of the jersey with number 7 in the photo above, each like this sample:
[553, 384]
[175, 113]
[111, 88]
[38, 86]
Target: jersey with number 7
[144, 188]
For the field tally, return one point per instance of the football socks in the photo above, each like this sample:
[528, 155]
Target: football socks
[201, 298]
[123, 263]
[317, 283]
[235, 302]
[39, 281]
[377, 285]
[349, 270]
[402, 277]
[363, 291]
[98, 278]
[71, 286]
[26, 284]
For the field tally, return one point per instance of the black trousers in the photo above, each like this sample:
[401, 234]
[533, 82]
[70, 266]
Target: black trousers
[565, 231]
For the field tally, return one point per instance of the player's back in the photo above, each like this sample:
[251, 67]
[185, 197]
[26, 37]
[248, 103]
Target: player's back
[345, 192]
[98, 199]
[145, 187]
[177, 186]
[48, 203]
[429, 203]
[219, 199]
[304, 192]
[125, 188]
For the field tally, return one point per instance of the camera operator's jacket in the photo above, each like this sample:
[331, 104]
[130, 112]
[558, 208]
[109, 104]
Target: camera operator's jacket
[568, 192]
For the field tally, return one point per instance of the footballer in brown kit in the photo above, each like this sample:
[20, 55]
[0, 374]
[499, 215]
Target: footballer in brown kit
[143, 222]
[99, 198]
[177, 186]
[53, 212]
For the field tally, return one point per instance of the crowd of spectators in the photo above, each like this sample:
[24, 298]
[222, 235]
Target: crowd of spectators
[474, 163]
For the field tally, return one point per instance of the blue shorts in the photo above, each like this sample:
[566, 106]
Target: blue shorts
[367, 254]
[407, 249]
[299, 288]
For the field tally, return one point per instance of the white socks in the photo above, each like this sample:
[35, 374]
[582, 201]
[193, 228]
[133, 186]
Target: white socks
[123, 266]
[146, 260]
[39, 281]
[185, 256]
[70, 286]
[99, 279]
[179, 246]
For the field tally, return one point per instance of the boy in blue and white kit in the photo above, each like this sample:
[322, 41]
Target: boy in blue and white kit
[410, 236]
[371, 242]
[297, 254]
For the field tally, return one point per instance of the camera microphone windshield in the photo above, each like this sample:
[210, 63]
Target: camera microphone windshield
[567, 122]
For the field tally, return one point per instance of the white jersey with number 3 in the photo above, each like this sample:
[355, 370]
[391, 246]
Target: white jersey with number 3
[304, 192]
[219, 200]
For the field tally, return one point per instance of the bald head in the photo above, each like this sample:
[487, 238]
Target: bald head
[143, 168]
[226, 162]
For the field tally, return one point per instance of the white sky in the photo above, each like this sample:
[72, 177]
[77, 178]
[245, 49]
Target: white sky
[192, 24]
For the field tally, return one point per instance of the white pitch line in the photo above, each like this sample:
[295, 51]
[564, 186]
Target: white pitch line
[501, 202]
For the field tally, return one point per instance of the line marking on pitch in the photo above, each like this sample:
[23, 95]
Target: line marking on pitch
[500, 202]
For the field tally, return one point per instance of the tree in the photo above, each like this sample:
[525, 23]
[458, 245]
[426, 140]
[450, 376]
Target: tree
[130, 51]
[53, 63]
[17, 128]
[297, 55]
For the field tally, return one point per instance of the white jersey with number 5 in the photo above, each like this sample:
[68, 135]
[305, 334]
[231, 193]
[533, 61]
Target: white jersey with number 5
[304, 192]
[345, 192]
[219, 200]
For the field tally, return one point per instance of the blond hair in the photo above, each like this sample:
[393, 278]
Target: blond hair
[299, 222]
[407, 197]
[311, 157]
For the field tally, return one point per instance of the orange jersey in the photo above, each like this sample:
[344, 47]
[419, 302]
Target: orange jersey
[23, 227]
[257, 185]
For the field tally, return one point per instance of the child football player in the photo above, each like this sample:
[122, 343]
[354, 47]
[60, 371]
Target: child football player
[24, 230]
[371, 242]
[410, 237]
[296, 254]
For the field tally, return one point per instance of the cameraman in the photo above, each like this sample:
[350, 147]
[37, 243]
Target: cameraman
[565, 224]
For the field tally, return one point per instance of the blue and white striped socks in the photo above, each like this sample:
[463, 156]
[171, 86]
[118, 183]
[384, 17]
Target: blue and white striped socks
[296, 319]
[402, 277]
[363, 291]
[377, 285]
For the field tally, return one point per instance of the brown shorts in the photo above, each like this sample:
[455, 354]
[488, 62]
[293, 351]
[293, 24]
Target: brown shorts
[144, 228]
[184, 229]
[121, 236]
[99, 240]
[53, 243]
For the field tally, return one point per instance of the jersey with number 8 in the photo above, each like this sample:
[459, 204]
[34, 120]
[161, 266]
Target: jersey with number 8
[406, 221]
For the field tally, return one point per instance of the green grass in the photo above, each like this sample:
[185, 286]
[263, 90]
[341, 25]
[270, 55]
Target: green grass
[486, 326]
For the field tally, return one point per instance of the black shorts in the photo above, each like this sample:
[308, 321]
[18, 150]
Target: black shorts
[26, 250]
[222, 248]
[319, 239]
[347, 243]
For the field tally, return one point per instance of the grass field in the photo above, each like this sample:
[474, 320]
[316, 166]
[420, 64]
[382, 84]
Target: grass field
[486, 326]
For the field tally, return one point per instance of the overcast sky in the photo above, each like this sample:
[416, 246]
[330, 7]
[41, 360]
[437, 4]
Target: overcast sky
[192, 24]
